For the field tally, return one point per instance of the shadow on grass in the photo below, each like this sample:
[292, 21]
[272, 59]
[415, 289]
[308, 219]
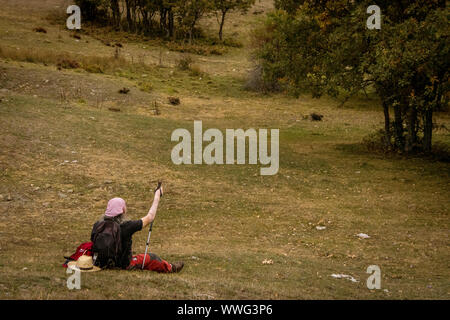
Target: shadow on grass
[440, 153]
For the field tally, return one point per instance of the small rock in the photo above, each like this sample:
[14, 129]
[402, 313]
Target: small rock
[195, 258]
[9, 198]
[40, 29]
[320, 227]
[344, 276]
[174, 101]
[363, 235]
[267, 261]
[316, 117]
[70, 191]
[108, 182]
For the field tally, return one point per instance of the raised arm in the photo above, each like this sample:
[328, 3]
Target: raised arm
[152, 212]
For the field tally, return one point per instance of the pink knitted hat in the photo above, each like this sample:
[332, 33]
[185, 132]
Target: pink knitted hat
[116, 206]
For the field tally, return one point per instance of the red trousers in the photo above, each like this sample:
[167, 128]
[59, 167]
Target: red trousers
[152, 262]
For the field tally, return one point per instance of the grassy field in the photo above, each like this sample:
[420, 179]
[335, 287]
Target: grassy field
[64, 154]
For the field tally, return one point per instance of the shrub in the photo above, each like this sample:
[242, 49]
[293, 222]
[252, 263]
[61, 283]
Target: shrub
[184, 63]
[93, 68]
[40, 29]
[195, 71]
[68, 64]
[257, 82]
[145, 87]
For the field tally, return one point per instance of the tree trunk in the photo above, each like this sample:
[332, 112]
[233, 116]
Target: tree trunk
[145, 22]
[129, 20]
[387, 126]
[222, 22]
[115, 12]
[171, 23]
[191, 32]
[134, 17]
[162, 19]
[427, 130]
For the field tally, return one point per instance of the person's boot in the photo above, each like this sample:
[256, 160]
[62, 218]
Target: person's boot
[177, 266]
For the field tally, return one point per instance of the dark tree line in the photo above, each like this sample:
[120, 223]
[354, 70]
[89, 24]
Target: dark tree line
[325, 47]
[167, 18]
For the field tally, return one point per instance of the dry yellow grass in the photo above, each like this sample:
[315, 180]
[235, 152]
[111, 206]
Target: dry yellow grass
[224, 221]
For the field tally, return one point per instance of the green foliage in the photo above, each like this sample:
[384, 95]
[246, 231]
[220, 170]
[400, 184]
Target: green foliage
[324, 47]
[184, 63]
[188, 13]
[164, 18]
[289, 6]
[93, 10]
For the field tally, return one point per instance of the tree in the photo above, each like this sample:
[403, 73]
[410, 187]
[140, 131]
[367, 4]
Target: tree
[92, 9]
[115, 9]
[324, 47]
[289, 6]
[189, 13]
[222, 7]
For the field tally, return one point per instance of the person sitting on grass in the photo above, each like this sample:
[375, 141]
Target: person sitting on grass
[116, 211]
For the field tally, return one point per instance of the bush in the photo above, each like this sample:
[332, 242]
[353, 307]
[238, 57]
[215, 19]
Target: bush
[256, 82]
[68, 64]
[376, 142]
[93, 10]
[184, 63]
[232, 43]
[93, 68]
[195, 71]
[145, 87]
[40, 29]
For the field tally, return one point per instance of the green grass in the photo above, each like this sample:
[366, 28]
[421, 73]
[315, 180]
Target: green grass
[229, 217]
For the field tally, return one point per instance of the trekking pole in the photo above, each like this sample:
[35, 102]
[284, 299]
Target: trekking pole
[148, 241]
[149, 232]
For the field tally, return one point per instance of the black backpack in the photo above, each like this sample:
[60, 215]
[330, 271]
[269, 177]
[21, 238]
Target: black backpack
[107, 245]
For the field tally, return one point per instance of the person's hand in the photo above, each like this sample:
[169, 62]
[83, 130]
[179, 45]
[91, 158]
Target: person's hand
[159, 191]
